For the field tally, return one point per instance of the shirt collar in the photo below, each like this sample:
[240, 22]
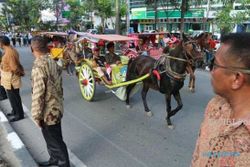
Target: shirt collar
[234, 124]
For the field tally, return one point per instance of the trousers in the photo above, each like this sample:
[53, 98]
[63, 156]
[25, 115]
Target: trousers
[3, 94]
[15, 102]
[57, 149]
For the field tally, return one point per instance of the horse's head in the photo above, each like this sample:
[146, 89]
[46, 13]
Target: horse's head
[203, 40]
[192, 50]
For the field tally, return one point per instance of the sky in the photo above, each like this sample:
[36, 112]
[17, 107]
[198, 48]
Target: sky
[48, 15]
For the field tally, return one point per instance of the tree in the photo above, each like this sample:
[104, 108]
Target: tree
[23, 13]
[117, 16]
[101, 8]
[75, 12]
[226, 19]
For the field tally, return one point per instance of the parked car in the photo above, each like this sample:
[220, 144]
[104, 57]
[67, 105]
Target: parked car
[106, 31]
[92, 31]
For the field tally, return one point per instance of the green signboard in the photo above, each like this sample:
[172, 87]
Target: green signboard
[138, 13]
[163, 14]
[65, 14]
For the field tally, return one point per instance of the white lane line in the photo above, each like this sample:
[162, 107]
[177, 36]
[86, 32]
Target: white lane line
[73, 158]
[109, 141]
[3, 117]
[15, 141]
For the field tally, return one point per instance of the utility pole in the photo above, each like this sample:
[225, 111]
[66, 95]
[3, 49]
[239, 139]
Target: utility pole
[156, 11]
[183, 11]
[128, 16]
[117, 19]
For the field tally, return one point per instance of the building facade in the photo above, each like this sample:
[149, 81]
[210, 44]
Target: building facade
[200, 16]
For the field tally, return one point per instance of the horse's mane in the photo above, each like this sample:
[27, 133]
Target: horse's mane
[176, 51]
[202, 35]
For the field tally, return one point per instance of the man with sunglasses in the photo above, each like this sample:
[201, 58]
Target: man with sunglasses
[224, 138]
[47, 102]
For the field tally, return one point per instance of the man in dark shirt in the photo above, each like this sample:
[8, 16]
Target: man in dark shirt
[99, 64]
[87, 52]
[111, 57]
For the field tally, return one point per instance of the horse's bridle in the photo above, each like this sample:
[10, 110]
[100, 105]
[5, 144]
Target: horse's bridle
[166, 60]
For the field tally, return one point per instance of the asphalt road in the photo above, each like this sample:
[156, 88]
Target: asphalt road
[104, 133]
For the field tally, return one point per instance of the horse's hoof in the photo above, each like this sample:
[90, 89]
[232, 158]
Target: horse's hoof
[128, 106]
[192, 90]
[171, 126]
[149, 114]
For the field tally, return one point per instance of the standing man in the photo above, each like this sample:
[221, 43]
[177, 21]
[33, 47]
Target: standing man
[11, 73]
[47, 102]
[224, 139]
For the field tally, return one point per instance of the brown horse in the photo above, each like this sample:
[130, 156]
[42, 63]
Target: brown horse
[202, 41]
[172, 71]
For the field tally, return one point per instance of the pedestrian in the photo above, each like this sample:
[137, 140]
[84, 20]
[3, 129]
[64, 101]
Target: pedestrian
[19, 39]
[3, 94]
[47, 102]
[11, 73]
[13, 39]
[224, 138]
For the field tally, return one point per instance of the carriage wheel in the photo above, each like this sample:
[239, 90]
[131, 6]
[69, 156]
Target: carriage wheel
[87, 82]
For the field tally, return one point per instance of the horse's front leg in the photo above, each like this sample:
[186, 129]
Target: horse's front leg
[128, 90]
[177, 97]
[168, 105]
[144, 95]
[191, 78]
[193, 83]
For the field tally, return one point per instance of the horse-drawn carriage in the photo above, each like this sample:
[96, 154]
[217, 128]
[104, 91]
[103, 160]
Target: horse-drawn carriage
[57, 44]
[152, 44]
[88, 75]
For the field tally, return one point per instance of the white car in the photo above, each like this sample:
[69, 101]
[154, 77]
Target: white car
[92, 31]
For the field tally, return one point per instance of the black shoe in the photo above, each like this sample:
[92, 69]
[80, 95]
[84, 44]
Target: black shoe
[3, 98]
[10, 114]
[47, 163]
[16, 119]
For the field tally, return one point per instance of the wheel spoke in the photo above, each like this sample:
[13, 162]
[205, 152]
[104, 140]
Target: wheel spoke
[87, 89]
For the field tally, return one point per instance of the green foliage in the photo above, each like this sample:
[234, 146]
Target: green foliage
[123, 8]
[76, 11]
[226, 19]
[104, 8]
[101, 8]
[24, 14]
[4, 24]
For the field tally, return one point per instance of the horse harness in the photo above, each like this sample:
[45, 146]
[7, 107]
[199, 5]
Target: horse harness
[165, 61]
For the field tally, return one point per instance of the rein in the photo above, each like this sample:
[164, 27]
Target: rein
[175, 58]
[165, 60]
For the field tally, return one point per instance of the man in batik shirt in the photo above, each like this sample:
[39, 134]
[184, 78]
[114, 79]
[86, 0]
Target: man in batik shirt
[47, 102]
[224, 138]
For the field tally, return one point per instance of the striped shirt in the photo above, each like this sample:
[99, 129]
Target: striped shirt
[47, 91]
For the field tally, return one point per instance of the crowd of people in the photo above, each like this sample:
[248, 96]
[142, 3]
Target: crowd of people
[19, 39]
[224, 138]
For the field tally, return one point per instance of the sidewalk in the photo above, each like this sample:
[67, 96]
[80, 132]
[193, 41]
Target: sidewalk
[27, 140]
[12, 149]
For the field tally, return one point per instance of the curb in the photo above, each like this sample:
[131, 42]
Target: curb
[14, 152]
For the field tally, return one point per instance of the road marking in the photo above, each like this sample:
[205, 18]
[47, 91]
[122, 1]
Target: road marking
[73, 158]
[15, 141]
[2, 117]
